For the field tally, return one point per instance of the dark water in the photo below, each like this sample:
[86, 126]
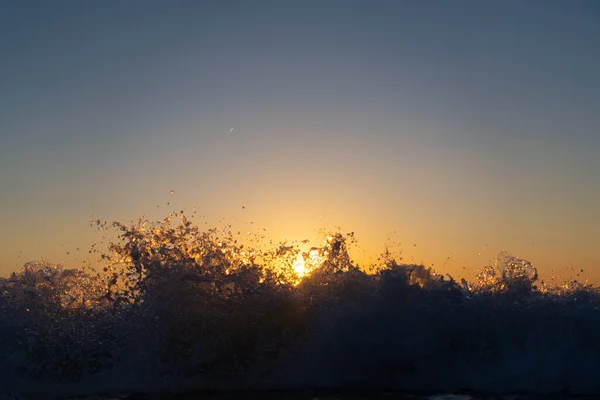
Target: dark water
[336, 396]
[308, 395]
[178, 310]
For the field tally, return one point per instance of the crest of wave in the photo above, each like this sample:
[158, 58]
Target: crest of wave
[177, 307]
[51, 320]
[171, 302]
[417, 330]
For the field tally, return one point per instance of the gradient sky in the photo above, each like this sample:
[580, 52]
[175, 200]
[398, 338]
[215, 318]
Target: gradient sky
[461, 127]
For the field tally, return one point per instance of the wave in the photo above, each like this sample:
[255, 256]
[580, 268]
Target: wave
[181, 309]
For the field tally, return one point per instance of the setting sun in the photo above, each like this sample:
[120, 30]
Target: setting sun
[299, 265]
[306, 262]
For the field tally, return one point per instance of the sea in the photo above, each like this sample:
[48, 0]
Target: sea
[176, 311]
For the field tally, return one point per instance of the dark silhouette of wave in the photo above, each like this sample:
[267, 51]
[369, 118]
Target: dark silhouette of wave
[177, 308]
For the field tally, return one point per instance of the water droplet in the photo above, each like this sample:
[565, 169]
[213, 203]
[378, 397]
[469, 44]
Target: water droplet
[172, 191]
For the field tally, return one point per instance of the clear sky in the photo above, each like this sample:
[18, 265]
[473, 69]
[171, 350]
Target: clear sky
[461, 127]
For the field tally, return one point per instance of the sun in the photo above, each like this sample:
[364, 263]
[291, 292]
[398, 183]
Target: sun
[307, 262]
[299, 265]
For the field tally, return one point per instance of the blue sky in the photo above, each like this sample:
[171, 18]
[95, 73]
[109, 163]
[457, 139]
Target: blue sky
[463, 126]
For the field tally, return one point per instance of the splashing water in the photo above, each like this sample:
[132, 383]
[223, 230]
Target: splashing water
[178, 307]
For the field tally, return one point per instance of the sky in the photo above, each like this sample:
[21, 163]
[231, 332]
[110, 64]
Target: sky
[448, 130]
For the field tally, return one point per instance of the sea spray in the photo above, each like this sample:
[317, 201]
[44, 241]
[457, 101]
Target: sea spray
[178, 308]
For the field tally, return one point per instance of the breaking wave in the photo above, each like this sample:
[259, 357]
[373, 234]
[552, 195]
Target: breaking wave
[178, 308]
